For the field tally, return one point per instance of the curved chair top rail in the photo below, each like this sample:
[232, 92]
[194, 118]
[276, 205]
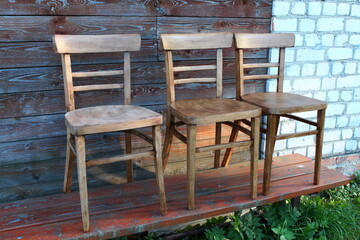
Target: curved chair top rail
[264, 40]
[97, 43]
[196, 41]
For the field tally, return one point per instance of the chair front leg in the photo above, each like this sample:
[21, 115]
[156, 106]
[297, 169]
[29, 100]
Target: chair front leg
[81, 168]
[319, 143]
[255, 137]
[158, 168]
[271, 129]
[69, 165]
[191, 145]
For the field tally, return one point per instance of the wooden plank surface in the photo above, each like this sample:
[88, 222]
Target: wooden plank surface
[218, 191]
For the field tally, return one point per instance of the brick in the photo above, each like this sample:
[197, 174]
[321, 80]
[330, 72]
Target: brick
[337, 68]
[348, 81]
[298, 8]
[330, 122]
[353, 108]
[351, 145]
[347, 134]
[308, 69]
[280, 8]
[286, 25]
[307, 55]
[310, 152]
[307, 25]
[328, 83]
[287, 86]
[327, 39]
[287, 127]
[300, 141]
[340, 53]
[302, 127]
[357, 94]
[346, 95]
[357, 54]
[320, 95]
[341, 39]
[280, 145]
[354, 121]
[339, 147]
[327, 149]
[333, 96]
[293, 70]
[335, 109]
[314, 8]
[329, 8]
[355, 10]
[301, 151]
[299, 39]
[343, 9]
[289, 55]
[311, 40]
[350, 68]
[354, 39]
[307, 84]
[352, 25]
[285, 152]
[322, 69]
[342, 121]
[357, 132]
[333, 135]
[328, 24]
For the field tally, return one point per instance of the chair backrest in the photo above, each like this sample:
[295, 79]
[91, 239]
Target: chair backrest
[82, 44]
[245, 41]
[197, 41]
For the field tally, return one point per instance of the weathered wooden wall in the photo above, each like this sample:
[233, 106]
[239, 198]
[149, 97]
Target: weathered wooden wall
[32, 130]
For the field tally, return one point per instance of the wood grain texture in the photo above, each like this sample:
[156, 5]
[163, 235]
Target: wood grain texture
[234, 186]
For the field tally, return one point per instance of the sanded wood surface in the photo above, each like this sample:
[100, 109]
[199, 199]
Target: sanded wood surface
[219, 191]
[265, 40]
[283, 103]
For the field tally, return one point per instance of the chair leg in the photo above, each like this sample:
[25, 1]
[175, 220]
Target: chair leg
[217, 141]
[158, 168]
[191, 145]
[228, 153]
[81, 168]
[319, 143]
[129, 163]
[168, 140]
[69, 166]
[255, 136]
[271, 129]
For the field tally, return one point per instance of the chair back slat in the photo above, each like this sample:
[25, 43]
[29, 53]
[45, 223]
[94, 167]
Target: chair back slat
[174, 42]
[68, 45]
[264, 40]
[244, 41]
[98, 87]
[196, 41]
[97, 73]
[97, 43]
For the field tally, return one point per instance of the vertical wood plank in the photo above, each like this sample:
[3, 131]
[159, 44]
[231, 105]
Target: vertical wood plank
[191, 157]
[129, 163]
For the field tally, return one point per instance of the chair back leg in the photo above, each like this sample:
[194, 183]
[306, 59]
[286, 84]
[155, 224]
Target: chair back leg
[69, 166]
[319, 143]
[191, 146]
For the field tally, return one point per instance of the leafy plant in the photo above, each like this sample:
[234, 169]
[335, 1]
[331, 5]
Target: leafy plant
[247, 226]
[215, 233]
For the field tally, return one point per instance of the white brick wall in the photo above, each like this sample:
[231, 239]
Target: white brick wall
[324, 64]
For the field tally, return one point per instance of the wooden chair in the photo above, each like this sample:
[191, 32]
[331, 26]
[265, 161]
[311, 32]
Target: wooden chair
[109, 118]
[195, 111]
[276, 104]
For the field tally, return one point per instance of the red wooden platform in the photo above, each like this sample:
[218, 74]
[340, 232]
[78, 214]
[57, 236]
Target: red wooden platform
[131, 208]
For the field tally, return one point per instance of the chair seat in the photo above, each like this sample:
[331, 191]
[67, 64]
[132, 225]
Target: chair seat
[110, 118]
[283, 103]
[211, 110]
